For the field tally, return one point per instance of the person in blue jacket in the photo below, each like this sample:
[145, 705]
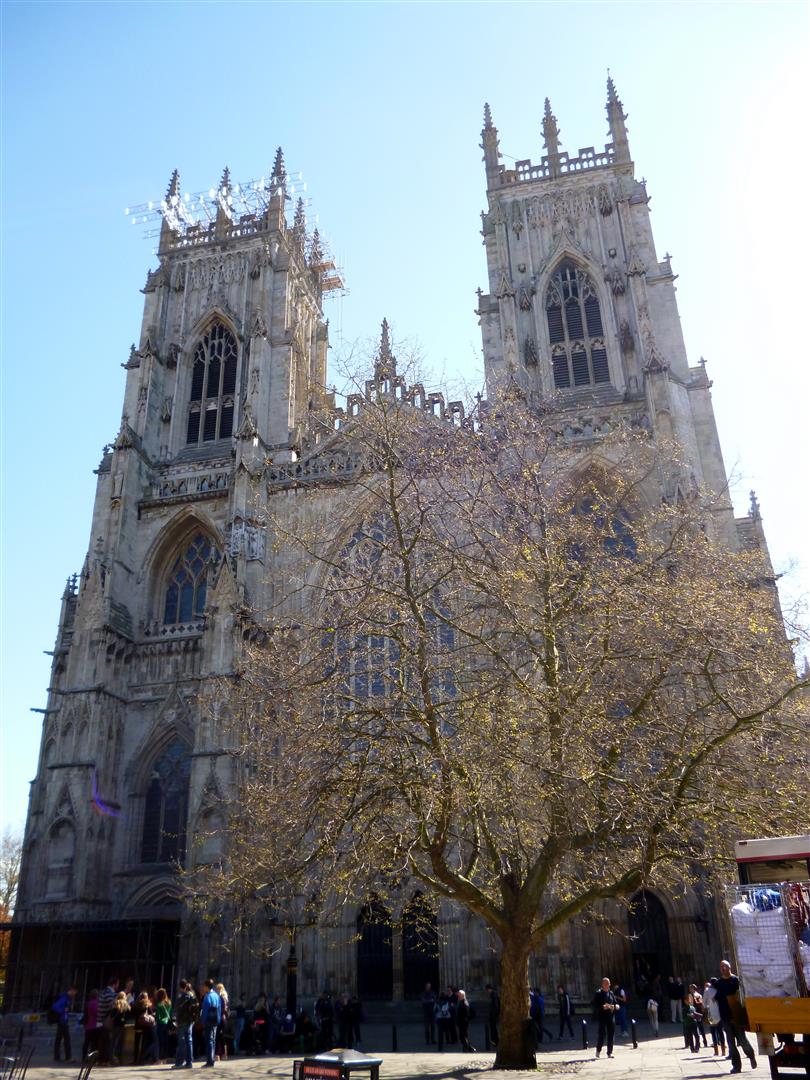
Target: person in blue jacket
[211, 1018]
[62, 1008]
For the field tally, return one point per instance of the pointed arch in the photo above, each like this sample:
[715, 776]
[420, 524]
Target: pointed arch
[61, 852]
[575, 327]
[166, 797]
[162, 891]
[579, 353]
[182, 562]
[211, 377]
[173, 720]
[48, 753]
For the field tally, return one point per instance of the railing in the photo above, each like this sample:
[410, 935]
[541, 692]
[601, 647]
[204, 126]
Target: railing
[587, 158]
[335, 467]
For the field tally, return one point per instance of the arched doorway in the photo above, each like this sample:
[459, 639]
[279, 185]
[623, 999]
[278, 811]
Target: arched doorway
[649, 940]
[375, 960]
[420, 947]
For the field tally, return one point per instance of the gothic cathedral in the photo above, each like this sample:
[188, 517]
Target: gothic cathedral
[230, 360]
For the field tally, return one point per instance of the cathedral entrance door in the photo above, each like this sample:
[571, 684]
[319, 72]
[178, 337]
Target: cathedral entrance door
[649, 940]
[375, 958]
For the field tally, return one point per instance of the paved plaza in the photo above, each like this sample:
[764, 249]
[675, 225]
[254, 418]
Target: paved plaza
[655, 1059]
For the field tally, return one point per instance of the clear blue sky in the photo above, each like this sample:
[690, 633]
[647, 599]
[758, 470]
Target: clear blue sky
[380, 106]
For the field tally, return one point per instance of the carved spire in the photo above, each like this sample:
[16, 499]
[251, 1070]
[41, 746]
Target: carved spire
[173, 190]
[315, 251]
[385, 341]
[385, 364]
[755, 512]
[278, 178]
[299, 229]
[170, 210]
[223, 201]
[616, 123]
[551, 139]
[489, 144]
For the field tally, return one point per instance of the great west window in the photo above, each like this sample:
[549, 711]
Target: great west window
[578, 353]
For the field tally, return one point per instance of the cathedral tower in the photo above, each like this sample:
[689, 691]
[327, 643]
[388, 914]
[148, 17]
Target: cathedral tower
[580, 309]
[231, 355]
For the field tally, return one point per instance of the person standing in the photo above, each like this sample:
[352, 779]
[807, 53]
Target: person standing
[428, 1014]
[605, 1007]
[652, 1015]
[211, 1017]
[493, 1013]
[240, 1015]
[463, 1017]
[163, 1016]
[117, 1019]
[222, 1030]
[565, 1009]
[62, 1007]
[146, 1025]
[357, 1016]
[728, 1003]
[344, 1021]
[325, 1019]
[691, 1041]
[106, 1000]
[675, 995]
[91, 1024]
[186, 1012]
[537, 1011]
[442, 1014]
[700, 1011]
[621, 1015]
[713, 1016]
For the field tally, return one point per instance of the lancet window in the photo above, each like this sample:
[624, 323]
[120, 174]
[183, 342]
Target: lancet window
[166, 809]
[578, 353]
[213, 386]
[188, 581]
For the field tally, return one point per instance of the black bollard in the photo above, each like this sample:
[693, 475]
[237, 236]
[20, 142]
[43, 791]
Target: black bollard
[487, 1043]
[584, 1034]
[394, 1045]
[634, 1033]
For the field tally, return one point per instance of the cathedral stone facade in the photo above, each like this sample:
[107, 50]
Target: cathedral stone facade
[230, 361]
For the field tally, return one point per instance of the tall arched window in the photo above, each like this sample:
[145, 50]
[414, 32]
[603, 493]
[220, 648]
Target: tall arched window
[213, 386]
[188, 581]
[166, 810]
[61, 850]
[578, 353]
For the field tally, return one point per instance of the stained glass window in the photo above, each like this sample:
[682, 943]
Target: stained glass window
[188, 581]
[166, 810]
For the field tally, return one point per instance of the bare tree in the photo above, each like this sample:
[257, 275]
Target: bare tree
[10, 857]
[507, 671]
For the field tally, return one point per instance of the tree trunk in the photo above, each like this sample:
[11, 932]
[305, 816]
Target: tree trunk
[516, 1043]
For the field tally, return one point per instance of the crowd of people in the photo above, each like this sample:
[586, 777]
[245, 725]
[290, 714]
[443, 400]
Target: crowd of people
[203, 1023]
[715, 1008]
[198, 1023]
